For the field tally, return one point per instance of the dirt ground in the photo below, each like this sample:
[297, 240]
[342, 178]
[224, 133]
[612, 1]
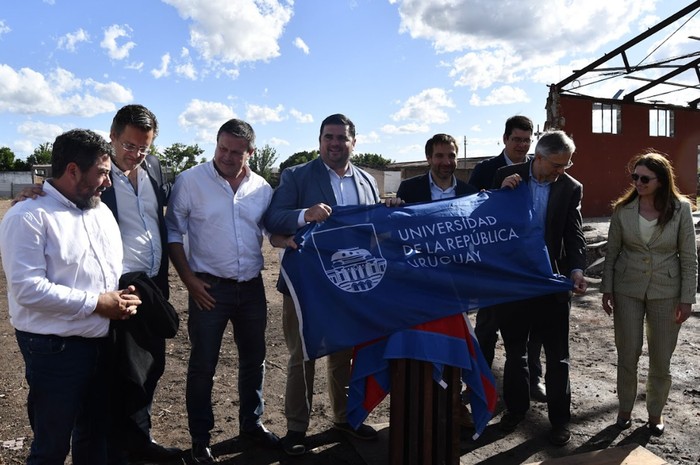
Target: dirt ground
[593, 365]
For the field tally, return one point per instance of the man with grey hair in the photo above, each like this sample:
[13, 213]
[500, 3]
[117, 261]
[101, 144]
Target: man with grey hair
[556, 200]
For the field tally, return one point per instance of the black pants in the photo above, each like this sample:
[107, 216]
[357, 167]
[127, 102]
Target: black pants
[548, 318]
[487, 334]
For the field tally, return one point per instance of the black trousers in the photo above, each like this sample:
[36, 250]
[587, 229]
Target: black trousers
[486, 331]
[546, 317]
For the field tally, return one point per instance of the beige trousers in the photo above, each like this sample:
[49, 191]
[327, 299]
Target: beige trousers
[662, 334]
[300, 376]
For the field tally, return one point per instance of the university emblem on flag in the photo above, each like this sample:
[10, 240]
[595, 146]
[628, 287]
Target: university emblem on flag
[356, 267]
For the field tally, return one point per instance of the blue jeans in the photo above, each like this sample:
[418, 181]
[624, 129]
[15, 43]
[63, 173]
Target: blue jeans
[245, 306]
[67, 397]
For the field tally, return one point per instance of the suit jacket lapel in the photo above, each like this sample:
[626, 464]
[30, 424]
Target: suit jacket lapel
[322, 178]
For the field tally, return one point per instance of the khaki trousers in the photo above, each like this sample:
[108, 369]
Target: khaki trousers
[300, 376]
[662, 334]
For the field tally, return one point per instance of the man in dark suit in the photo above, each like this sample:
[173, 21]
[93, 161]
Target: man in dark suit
[517, 138]
[137, 197]
[557, 207]
[307, 193]
[439, 182]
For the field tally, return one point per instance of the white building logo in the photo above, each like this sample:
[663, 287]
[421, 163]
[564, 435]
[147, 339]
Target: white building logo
[351, 257]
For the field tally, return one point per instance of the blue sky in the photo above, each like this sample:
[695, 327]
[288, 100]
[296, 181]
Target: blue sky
[402, 70]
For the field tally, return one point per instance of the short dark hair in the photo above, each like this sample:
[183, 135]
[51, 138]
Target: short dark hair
[137, 116]
[517, 122]
[439, 139]
[238, 128]
[338, 119]
[80, 146]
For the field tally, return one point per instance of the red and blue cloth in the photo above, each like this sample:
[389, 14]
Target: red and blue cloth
[448, 341]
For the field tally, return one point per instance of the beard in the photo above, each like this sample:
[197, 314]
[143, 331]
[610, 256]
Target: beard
[87, 197]
[86, 204]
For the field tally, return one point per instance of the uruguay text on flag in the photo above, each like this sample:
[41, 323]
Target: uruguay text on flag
[369, 271]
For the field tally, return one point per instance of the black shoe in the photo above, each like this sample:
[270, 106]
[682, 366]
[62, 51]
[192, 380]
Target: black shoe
[559, 435]
[201, 453]
[364, 432]
[262, 437]
[510, 421]
[656, 429]
[154, 452]
[623, 423]
[538, 392]
[293, 443]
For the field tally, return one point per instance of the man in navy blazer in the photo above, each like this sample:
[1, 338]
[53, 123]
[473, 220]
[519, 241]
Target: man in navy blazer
[137, 197]
[517, 138]
[439, 182]
[307, 193]
[557, 208]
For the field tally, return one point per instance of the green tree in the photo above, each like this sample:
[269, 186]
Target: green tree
[179, 157]
[7, 159]
[41, 155]
[262, 160]
[21, 165]
[298, 158]
[370, 160]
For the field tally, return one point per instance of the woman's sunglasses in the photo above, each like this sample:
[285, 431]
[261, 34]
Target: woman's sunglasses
[644, 179]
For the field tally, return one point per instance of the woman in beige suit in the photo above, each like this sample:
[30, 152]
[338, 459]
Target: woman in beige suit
[650, 272]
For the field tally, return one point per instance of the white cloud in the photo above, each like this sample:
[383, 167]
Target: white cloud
[163, 70]
[531, 29]
[234, 32]
[277, 142]
[59, 93]
[370, 138]
[503, 95]
[44, 132]
[110, 42]
[475, 128]
[426, 107]
[205, 118]
[4, 28]
[264, 115]
[300, 117]
[186, 70]
[301, 45]
[480, 70]
[500, 45]
[411, 128]
[70, 40]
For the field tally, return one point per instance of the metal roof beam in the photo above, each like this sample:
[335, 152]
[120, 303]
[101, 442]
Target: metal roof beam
[649, 32]
[662, 79]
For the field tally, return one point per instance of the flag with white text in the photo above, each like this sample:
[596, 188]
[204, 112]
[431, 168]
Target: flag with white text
[369, 271]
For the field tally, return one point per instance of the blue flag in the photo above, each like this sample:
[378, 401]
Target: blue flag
[369, 271]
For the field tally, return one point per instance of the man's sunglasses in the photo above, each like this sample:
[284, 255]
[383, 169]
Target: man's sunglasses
[644, 179]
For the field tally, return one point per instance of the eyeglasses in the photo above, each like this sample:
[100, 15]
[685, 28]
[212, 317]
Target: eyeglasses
[645, 179]
[134, 148]
[521, 140]
[558, 166]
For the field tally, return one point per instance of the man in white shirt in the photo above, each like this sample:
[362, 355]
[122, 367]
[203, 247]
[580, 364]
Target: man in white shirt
[62, 255]
[137, 197]
[219, 205]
